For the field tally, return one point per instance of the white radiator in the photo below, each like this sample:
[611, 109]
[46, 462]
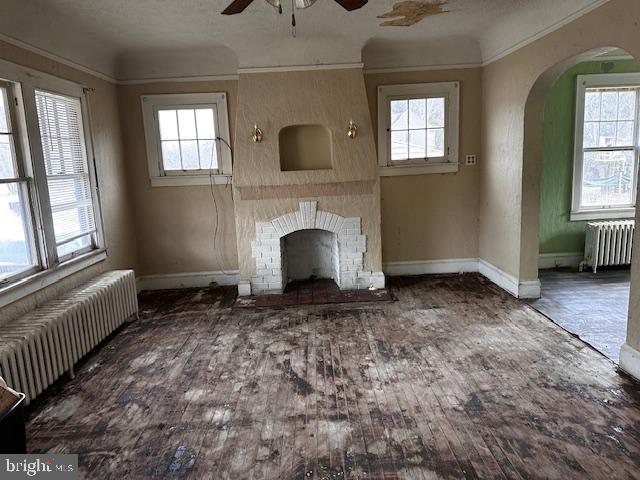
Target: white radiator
[608, 243]
[37, 348]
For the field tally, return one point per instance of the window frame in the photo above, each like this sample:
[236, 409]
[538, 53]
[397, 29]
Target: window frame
[24, 177]
[584, 82]
[25, 82]
[151, 104]
[449, 163]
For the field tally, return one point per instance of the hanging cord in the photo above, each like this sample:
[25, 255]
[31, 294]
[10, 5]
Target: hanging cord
[215, 202]
[293, 19]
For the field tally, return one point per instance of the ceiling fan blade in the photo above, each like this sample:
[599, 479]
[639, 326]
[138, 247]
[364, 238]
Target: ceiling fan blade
[236, 6]
[351, 4]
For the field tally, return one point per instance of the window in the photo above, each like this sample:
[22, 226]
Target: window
[18, 255]
[68, 182]
[606, 146]
[48, 196]
[418, 128]
[187, 138]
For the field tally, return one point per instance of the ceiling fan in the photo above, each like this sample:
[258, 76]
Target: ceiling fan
[237, 6]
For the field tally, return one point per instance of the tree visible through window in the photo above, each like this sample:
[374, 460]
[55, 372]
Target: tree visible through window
[606, 144]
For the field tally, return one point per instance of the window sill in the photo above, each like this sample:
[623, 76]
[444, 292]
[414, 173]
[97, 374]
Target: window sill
[397, 170]
[29, 285]
[190, 180]
[603, 214]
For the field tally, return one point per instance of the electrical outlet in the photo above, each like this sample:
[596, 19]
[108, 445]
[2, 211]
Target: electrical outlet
[472, 160]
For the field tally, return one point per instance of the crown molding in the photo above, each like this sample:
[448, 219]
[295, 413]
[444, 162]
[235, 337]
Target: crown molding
[542, 33]
[196, 78]
[300, 68]
[421, 68]
[57, 58]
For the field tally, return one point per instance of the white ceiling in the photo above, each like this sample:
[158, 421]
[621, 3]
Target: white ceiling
[136, 39]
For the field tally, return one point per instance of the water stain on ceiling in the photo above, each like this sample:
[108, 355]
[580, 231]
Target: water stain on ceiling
[409, 13]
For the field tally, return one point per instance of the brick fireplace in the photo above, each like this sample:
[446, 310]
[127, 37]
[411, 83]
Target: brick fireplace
[321, 219]
[269, 250]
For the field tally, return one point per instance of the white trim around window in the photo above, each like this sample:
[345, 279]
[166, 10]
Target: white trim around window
[47, 166]
[211, 155]
[440, 158]
[599, 145]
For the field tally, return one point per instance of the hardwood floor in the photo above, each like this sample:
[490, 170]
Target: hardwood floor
[593, 306]
[456, 379]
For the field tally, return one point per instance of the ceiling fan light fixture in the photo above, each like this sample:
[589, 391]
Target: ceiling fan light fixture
[298, 3]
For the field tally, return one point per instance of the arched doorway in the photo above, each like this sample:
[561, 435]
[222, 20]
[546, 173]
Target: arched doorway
[557, 194]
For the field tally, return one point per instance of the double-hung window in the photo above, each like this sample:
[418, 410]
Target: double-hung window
[18, 253]
[418, 128]
[49, 208]
[607, 145]
[187, 138]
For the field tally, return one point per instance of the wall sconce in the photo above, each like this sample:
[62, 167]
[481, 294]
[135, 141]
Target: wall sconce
[257, 134]
[352, 131]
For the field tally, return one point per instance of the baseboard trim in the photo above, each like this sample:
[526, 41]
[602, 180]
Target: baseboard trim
[555, 260]
[525, 290]
[187, 280]
[431, 267]
[630, 361]
[499, 277]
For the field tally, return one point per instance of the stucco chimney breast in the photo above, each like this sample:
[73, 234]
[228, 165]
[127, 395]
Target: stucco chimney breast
[272, 202]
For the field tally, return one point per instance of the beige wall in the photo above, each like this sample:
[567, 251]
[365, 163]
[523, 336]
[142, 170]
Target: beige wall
[508, 196]
[117, 218]
[424, 217]
[175, 225]
[431, 217]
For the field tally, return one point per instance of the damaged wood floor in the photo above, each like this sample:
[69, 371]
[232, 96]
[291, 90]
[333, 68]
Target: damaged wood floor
[454, 380]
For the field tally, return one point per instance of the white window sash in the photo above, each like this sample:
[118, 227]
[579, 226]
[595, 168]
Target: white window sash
[151, 104]
[25, 82]
[578, 211]
[444, 164]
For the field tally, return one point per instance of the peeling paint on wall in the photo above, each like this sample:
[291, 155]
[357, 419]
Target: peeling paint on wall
[411, 12]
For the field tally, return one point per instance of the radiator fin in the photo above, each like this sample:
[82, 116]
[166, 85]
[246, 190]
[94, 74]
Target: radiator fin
[608, 243]
[39, 347]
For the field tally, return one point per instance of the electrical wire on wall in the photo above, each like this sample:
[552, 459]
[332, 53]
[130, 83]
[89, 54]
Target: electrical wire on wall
[215, 202]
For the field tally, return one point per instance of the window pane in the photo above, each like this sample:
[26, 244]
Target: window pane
[625, 134]
[168, 122]
[591, 130]
[4, 112]
[627, 109]
[7, 165]
[592, 106]
[171, 155]
[187, 124]
[608, 178]
[417, 144]
[435, 112]
[74, 245]
[15, 244]
[418, 113]
[206, 128]
[399, 115]
[63, 147]
[189, 150]
[208, 155]
[607, 137]
[399, 145]
[609, 109]
[435, 142]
